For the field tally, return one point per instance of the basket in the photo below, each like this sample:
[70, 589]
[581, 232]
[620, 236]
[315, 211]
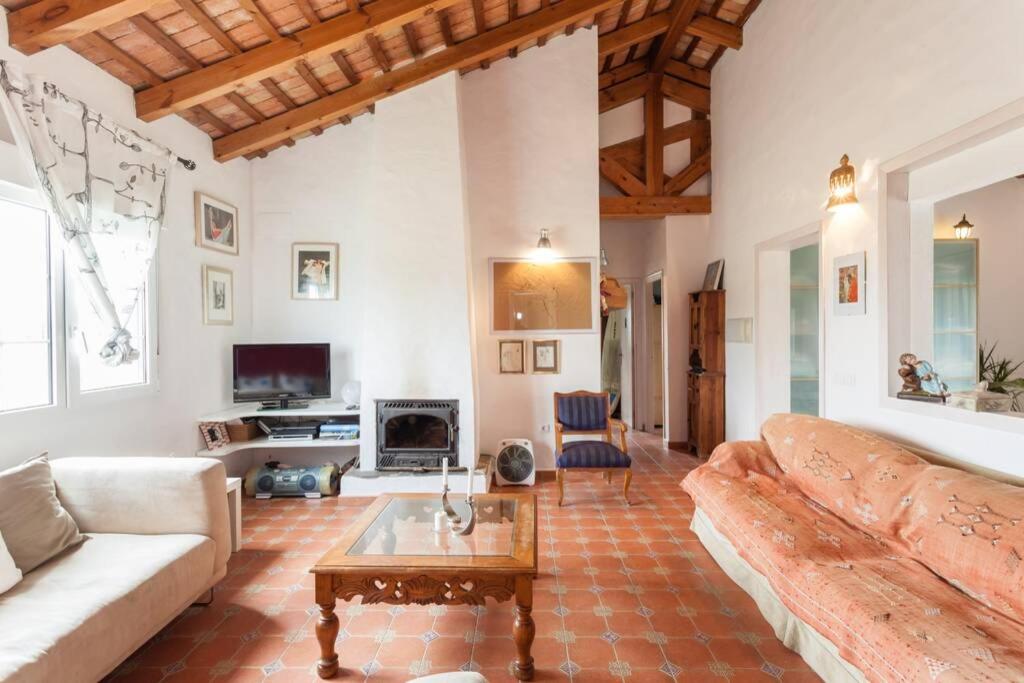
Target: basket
[242, 431]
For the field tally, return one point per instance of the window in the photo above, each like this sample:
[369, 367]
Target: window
[92, 373]
[956, 312]
[26, 308]
[803, 330]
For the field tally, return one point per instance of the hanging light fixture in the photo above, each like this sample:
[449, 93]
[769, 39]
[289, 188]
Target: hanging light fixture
[544, 252]
[841, 185]
[962, 230]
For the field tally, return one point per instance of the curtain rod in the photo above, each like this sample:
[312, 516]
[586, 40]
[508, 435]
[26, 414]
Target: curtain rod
[187, 163]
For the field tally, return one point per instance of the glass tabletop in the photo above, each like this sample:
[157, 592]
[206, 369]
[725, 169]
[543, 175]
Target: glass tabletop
[406, 527]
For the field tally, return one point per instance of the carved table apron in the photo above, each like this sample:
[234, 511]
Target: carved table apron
[423, 580]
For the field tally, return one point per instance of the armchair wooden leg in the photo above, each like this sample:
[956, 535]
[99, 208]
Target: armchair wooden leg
[625, 485]
[560, 479]
[608, 476]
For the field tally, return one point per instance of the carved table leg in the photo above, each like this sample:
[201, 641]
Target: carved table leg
[326, 634]
[523, 628]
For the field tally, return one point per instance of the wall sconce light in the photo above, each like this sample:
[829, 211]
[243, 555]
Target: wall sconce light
[962, 230]
[841, 185]
[544, 242]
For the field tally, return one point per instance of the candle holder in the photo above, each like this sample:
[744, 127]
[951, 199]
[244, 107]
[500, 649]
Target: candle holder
[454, 519]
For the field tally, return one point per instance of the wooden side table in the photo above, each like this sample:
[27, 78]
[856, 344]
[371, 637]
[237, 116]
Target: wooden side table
[391, 554]
[235, 512]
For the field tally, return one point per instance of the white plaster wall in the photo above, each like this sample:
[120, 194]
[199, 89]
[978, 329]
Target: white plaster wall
[997, 212]
[873, 79]
[194, 365]
[531, 140]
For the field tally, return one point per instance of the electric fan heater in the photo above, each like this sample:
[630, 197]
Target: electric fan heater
[515, 464]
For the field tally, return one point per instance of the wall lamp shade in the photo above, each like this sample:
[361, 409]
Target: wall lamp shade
[841, 185]
[963, 229]
[544, 242]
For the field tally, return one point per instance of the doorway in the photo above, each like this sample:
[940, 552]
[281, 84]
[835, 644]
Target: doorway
[617, 362]
[789, 319]
[654, 419]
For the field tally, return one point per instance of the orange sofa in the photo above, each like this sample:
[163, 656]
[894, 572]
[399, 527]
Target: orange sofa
[869, 561]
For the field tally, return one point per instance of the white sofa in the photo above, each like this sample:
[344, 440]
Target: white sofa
[158, 538]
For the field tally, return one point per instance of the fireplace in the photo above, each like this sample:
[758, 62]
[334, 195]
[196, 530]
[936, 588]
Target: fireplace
[416, 434]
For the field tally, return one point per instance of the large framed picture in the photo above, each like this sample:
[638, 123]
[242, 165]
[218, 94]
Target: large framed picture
[849, 284]
[216, 224]
[512, 356]
[218, 296]
[545, 357]
[551, 296]
[314, 270]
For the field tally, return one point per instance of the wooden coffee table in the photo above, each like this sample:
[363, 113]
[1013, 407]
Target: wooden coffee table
[391, 554]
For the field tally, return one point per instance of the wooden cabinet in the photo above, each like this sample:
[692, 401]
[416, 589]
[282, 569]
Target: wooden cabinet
[705, 385]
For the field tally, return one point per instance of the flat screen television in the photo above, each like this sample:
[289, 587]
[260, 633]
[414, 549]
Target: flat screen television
[281, 373]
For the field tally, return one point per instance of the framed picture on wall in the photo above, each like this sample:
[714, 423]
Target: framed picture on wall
[546, 359]
[713, 275]
[848, 284]
[216, 224]
[218, 296]
[561, 295]
[314, 270]
[512, 356]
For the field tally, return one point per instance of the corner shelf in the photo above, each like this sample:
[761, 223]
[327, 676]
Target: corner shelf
[264, 442]
[315, 410]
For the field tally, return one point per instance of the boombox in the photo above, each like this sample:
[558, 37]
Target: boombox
[275, 479]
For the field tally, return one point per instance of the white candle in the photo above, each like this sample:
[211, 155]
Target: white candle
[444, 472]
[440, 519]
[469, 482]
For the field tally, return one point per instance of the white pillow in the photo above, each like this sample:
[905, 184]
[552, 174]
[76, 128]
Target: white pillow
[9, 574]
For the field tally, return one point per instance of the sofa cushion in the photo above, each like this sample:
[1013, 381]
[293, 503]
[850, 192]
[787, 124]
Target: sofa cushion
[77, 616]
[34, 524]
[10, 575]
[888, 615]
[592, 454]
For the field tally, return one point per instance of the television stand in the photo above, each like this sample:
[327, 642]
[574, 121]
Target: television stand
[284, 404]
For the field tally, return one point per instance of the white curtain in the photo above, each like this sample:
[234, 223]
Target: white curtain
[107, 187]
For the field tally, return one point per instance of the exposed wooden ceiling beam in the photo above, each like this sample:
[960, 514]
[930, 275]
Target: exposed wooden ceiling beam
[654, 147]
[346, 68]
[311, 80]
[653, 207]
[686, 94]
[346, 30]
[308, 12]
[166, 42]
[621, 74]
[706, 28]
[210, 26]
[700, 77]
[379, 56]
[697, 168]
[52, 22]
[634, 147]
[487, 46]
[619, 176]
[680, 16]
[716, 31]
[110, 51]
[621, 23]
[412, 40]
[620, 94]
[257, 14]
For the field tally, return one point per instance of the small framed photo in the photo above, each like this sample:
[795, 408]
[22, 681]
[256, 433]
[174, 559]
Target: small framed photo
[215, 434]
[849, 284]
[218, 296]
[713, 275]
[216, 224]
[546, 359]
[512, 356]
[314, 270]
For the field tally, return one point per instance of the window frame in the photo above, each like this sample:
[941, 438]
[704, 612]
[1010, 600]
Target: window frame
[16, 194]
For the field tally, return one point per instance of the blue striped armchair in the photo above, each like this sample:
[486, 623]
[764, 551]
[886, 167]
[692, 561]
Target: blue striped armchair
[587, 413]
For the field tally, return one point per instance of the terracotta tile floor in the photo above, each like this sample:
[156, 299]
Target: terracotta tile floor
[624, 594]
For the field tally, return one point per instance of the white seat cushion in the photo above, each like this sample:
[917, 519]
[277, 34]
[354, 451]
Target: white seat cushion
[80, 614]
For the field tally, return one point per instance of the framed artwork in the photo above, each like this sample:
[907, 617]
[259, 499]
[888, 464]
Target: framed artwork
[849, 284]
[216, 224]
[550, 296]
[218, 296]
[512, 356]
[215, 434]
[314, 270]
[713, 275]
[546, 359]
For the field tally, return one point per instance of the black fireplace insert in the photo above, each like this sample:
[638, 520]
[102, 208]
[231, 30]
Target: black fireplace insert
[417, 434]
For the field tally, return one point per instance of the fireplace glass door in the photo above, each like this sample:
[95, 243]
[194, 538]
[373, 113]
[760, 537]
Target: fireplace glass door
[416, 432]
